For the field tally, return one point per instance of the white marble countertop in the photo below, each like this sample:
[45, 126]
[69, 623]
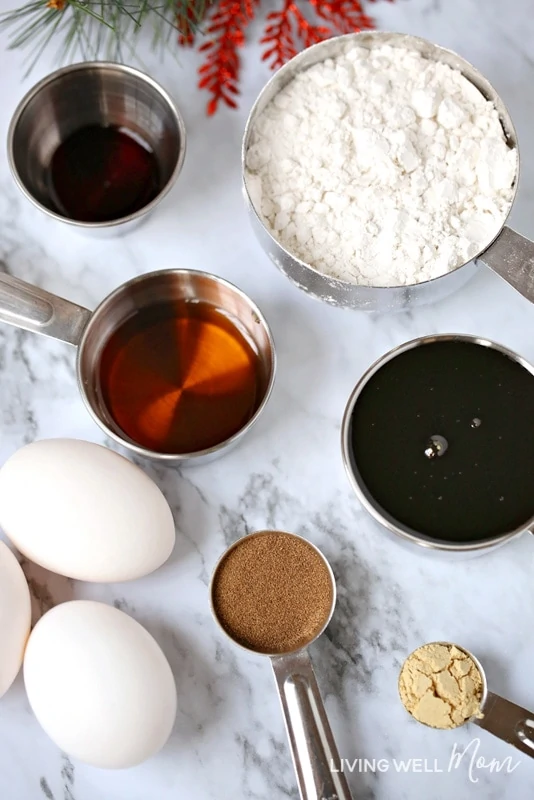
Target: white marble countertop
[229, 740]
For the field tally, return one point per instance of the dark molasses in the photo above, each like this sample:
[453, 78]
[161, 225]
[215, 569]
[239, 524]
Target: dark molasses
[443, 440]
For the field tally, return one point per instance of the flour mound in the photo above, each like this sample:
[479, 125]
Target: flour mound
[381, 168]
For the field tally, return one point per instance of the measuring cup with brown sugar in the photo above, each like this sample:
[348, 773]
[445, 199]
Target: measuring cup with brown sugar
[273, 593]
[175, 365]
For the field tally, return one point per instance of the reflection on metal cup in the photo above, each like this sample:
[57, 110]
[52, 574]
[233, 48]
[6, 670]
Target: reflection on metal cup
[93, 94]
[33, 309]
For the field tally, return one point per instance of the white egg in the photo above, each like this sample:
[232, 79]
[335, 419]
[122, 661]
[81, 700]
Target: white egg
[15, 617]
[83, 511]
[99, 684]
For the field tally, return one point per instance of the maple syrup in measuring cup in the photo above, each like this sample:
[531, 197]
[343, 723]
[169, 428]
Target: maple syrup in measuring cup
[180, 377]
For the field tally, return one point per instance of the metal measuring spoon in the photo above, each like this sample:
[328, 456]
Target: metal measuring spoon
[504, 719]
[313, 748]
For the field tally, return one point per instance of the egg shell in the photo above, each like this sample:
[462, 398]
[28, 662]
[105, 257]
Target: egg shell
[83, 511]
[15, 617]
[99, 684]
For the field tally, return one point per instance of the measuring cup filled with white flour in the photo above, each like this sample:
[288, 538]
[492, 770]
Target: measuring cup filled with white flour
[379, 168]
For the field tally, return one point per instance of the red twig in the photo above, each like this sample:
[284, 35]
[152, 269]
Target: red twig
[346, 16]
[282, 29]
[220, 72]
[287, 31]
[186, 23]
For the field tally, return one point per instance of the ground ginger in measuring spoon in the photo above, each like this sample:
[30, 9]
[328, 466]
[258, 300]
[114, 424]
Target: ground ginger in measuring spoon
[381, 167]
[441, 686]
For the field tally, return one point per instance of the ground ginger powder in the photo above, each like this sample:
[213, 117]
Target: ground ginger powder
[441, 686]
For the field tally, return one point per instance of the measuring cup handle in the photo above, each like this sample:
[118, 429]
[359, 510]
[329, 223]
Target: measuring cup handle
[313, 748]
[33, 309]
[512, 257]
[508, 722]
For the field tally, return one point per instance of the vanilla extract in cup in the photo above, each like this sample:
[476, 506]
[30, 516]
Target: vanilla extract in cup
[438, 442]
[101, 173]
[96, 145]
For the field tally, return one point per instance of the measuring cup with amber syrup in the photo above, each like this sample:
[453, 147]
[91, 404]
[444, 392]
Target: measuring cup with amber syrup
[174, 365]
[248, 607]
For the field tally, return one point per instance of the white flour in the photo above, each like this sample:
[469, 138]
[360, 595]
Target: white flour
[381, 168]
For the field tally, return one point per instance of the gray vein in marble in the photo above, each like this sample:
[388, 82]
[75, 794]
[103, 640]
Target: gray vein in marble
[174, 485]
[271, 772]
[67, 774]
[433, 7]
[232, 524]
[46, 789]
[121, 604]
[67, 770]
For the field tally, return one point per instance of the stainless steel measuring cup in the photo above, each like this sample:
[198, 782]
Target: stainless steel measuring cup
[399, 530]
[93, 93]
[36, 310]
[510, 255]
[504, 719]
[312, 744]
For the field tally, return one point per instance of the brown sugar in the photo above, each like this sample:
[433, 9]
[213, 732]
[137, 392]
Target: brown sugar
[272, 592]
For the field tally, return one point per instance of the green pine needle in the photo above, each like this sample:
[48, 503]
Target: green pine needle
[96, 27]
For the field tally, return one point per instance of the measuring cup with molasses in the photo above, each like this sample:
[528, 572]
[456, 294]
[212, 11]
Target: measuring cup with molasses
[438, 443]
[175, 365]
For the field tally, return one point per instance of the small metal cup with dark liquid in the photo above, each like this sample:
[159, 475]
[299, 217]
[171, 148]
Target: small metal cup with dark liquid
[96, 145]
[273, 593]
[438, 443]
[174, 365]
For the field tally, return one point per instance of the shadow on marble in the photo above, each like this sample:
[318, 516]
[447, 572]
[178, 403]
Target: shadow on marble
[302, 356]
[46, 588]
[189, 505]
[497, 669]
[199, 704]
[208, 172]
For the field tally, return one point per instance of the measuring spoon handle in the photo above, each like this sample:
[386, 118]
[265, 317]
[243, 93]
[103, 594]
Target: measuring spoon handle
[313, 748]
[508, 722]
[512, 257]
[32, 309]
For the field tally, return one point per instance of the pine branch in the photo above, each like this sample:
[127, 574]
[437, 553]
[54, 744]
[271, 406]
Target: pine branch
[99, 25]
